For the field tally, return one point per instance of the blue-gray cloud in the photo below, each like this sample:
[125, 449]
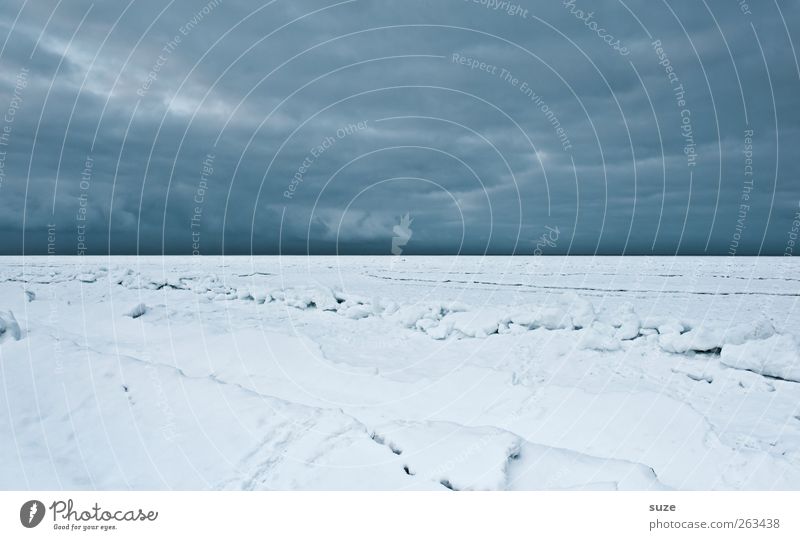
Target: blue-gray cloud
[630, 126]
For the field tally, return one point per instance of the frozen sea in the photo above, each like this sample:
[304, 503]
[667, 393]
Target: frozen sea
[391, 373]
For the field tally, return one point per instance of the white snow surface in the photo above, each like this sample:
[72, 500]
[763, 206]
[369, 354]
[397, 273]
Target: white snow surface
[448, 373]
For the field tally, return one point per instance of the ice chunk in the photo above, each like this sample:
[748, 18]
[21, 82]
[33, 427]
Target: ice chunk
[441, 330]
[626, 321]
[672, 327]
[549, 317]
[713, 338]
[9, 328]
[137, 311]
[702, 339]
[460, 457]
[480, 323]
[454, 456]
[775, 356]
[244, 294]
[410, 314]
[305, 298]
[600, 336]
[358, 311]
[581, 310]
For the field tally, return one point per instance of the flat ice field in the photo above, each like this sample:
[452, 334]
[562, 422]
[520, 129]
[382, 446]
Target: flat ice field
[399, 373]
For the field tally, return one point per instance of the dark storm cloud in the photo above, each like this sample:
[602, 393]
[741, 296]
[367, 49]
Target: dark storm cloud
[149, 127]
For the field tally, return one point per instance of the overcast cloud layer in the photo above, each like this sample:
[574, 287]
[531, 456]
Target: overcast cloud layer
[316, 126]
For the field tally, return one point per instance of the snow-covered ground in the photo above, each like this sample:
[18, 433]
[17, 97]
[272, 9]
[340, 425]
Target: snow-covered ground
[399, 373]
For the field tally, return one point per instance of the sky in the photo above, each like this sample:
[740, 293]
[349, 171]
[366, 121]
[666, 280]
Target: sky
[399, 128]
